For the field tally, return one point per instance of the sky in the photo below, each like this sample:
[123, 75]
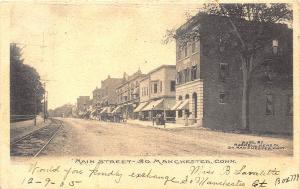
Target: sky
[75, 46]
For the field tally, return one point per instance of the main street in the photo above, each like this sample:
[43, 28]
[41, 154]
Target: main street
[94, 138]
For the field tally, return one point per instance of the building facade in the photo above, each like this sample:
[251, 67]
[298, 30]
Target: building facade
[128, 95]
[189, 85]
[221, 80]
[157, 93]
[105, 98]
[83, 103]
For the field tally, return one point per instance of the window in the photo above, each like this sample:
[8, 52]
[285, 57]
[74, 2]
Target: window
[185, 73]
[179, 54]
[269, 104]
[187, 96]
[290, 105]
[224, 71]
[179, 113]
[180, 98]
[160, 86]
[172, 88]
[195, 103]
[179, 77]
[222, 98]
[155, 88]
[193, 46]
[185, 51]
[275, 46]
[194, 73]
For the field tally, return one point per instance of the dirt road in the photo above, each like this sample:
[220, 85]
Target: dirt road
[94, 138]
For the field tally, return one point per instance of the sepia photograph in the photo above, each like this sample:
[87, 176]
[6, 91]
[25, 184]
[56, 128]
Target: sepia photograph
[151, 79]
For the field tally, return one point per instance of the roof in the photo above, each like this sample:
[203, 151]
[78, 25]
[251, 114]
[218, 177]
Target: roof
[158, 68]
[197, 19]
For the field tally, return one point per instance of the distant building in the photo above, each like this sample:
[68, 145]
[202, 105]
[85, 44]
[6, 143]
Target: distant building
[157, 93]
[105, 98]
[211, 76]
[128, 94]
[83, 102]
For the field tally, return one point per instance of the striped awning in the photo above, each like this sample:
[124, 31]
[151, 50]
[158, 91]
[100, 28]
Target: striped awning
[140, 106]
[177, 104]
[154, 105]
[184, 105]
[105, 110]
[117, 110]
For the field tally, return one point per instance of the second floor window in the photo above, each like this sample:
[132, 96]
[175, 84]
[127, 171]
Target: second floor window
[222, 98]
[172, 87]
[155, 88]
[193, 47]
[185, 51]
[194, 73]
[223, 71]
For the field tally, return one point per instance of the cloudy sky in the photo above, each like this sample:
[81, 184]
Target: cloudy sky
[76, 46]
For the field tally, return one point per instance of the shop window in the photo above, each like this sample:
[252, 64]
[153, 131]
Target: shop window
[222, 98]
[290, 105]
[179, 113]
[172, 87]
[223, 71]
[269, 104]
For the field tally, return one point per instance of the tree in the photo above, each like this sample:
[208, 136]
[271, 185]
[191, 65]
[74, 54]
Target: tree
[245, 28]
[26, 90]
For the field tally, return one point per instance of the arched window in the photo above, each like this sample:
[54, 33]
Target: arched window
[195, 102]
[187, 96]
[180, 98]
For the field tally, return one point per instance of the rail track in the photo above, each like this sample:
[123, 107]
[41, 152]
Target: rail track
[32, 144]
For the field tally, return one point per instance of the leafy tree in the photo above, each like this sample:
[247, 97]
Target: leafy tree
[244, 28]
[26, 90]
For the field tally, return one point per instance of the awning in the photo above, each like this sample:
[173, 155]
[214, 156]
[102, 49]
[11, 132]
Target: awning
[105, 110]
[140, 106]
[93, 111]
[178, 103]
[117, 109]
[168, 103]
[154, 105]
[184, 105]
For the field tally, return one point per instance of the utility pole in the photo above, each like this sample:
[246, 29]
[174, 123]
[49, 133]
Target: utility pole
[44, 102]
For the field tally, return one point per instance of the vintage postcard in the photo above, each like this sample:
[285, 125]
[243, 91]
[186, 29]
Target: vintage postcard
[149, 94]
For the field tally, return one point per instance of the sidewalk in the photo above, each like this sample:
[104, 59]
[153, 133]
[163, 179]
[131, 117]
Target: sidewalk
[168, 125]
[22, 128]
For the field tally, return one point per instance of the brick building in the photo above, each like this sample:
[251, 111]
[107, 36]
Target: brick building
[105, 98]
[271, 84]
[128, 94]
[157, 93]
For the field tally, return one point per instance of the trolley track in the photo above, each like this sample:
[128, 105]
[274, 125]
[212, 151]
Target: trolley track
[32, 144]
